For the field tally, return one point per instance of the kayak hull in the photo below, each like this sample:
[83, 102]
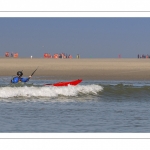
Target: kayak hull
[74, 82]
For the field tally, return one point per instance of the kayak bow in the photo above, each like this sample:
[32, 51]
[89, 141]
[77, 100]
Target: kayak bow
[74, 82]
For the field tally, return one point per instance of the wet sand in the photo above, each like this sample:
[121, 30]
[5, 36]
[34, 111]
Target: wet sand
[86, 69]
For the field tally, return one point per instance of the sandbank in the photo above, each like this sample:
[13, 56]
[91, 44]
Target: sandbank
[86, 69]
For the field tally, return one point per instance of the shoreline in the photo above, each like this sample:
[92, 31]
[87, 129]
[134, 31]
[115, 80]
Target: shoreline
[83, 68]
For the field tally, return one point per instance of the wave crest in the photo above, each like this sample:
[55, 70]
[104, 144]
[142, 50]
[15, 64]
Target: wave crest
[7, 92]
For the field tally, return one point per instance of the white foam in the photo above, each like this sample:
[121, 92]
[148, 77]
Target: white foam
[51, 91]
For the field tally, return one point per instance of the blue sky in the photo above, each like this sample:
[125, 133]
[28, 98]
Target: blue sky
[89, 37]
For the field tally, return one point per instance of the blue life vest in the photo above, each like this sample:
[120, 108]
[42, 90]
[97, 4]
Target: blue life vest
[17, 79]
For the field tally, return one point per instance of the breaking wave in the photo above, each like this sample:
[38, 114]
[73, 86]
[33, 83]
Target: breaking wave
[51, 91]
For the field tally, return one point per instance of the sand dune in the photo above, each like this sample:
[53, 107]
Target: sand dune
[87, 69]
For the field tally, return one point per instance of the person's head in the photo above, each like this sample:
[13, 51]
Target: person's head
[20, 73]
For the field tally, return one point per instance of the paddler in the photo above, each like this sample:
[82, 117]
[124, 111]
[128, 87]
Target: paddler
[19, 78]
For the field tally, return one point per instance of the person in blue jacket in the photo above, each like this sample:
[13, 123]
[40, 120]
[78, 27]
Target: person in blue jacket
[19, 78]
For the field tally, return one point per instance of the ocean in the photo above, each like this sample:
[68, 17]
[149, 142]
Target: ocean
[90, 107]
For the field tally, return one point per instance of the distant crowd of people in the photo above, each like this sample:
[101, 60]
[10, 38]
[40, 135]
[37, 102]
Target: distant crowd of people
[8, 54]
[62, 55]
[46, 55]
[143, 56]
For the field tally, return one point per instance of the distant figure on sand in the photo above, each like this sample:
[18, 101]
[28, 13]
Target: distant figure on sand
[19, 78]
[12, 55]
[78, 56]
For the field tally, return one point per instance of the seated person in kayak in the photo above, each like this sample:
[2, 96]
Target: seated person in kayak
[19, 78]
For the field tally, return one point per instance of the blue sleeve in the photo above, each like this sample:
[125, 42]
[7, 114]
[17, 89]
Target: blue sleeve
[24, 79]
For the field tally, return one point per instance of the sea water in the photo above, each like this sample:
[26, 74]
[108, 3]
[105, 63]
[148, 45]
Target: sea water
[90, 107]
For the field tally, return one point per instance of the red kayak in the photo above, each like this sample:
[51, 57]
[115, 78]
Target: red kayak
[75, 82]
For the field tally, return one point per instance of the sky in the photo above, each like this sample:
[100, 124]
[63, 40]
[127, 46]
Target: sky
[90, 37]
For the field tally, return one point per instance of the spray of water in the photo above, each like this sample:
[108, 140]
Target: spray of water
[8, 92]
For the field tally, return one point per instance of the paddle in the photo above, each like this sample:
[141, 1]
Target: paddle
[34, 71]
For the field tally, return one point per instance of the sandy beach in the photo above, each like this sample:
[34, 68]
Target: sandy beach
[86, 69]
